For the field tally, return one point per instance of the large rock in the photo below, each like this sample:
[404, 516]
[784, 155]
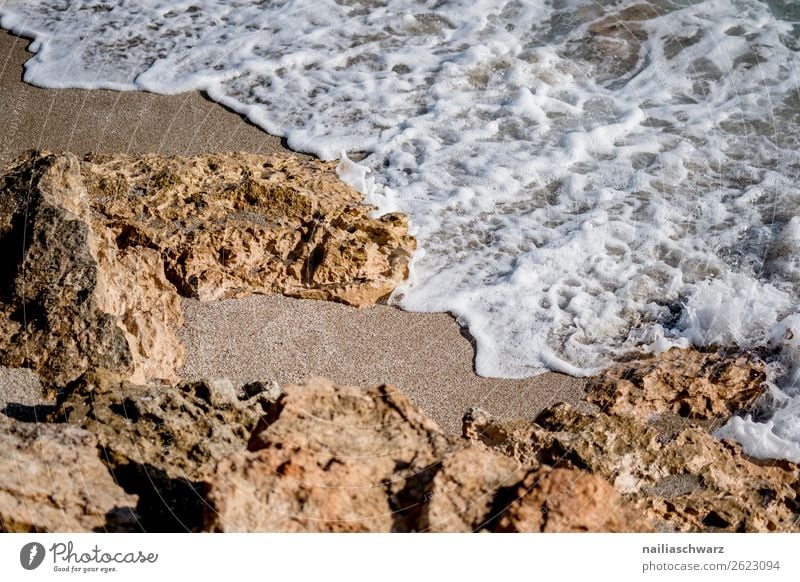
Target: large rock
[183, 429]
[231, 225]
[72, 299]
[94, 253]
[318, 457]
[680, 476]
[162, 442]
[569, 501]
[332, 458]
[690, 383]
[476, 491]
[465, 492]
[52, 480]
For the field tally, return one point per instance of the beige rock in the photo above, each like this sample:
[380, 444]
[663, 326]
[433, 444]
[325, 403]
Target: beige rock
[569, 501]
[182, 430]
[162, 442]
[466, 490]
[72, 300]
[231, 225]
[511, 437]
[332, 458]
[133, 290]
[52, 480]
[678, 474]
[689, 383]
[95, 252]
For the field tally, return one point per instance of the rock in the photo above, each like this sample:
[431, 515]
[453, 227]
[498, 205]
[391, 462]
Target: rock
[52, 480]
[271, 390]
[162, 442]
[317, 458]
[95, 252]
[344, 459]
[510, 437]
[220, 392]
[613, 43]
[677, 474]
[231, 225]
[329, 458]
[72, 300]
[568, 501]
[690, 383]
[465, 491]
[476, 491]
[183, 430]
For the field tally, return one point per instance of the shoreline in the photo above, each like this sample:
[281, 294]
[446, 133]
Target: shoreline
[105, 121]
[296, 414]
[364, 347]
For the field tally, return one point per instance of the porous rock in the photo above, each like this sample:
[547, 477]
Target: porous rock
[337, 458]
[183, 430]
[330, 458]
[52, 480]
[71, 299]
[162, 442]
[678, 474]
[568, 501]
[691, 383]
[464, 494]
[230, 225]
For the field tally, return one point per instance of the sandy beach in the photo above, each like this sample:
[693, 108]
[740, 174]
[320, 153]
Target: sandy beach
[196, 325]
[268, 337]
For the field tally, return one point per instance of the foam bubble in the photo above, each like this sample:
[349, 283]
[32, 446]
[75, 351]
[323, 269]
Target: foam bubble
[759, 439]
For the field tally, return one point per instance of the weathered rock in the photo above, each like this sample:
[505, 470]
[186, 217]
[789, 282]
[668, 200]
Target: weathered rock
[270, 389]
[94, 253]
[328, 458]
[678, 474]
[231, 225]
[52, 480]
[465, 493]
[161, 442]
[510, 437]
[183, 430]
[324, 458]
[690, 383]
[569, 500]
[72, 300]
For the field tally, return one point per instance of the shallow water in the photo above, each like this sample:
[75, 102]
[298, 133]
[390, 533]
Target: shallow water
[585, 178]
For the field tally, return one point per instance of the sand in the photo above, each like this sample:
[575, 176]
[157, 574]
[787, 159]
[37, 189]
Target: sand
[19, 386]
[111, 121]
[425, 355]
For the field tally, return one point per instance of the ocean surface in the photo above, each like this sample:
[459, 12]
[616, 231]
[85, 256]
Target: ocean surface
[585, 178]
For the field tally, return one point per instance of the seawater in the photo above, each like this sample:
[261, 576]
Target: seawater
[585, 178]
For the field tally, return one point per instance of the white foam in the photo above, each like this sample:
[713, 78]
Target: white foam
[570, 204]
[759, 439]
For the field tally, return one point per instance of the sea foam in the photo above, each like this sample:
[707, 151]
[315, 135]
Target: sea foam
[585, 178]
